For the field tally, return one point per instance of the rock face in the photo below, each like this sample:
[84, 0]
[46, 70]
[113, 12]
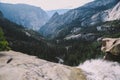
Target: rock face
[18, 66]
[89, 14]
[114, 13]
[111, 46]
[26, 15]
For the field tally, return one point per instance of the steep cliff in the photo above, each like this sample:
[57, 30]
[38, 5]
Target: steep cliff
[26, 15]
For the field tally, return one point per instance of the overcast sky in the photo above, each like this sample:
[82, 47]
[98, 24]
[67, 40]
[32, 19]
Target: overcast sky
[51, 4]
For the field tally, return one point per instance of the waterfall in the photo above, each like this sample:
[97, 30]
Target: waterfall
[60, 60]
[67, 48]
[101, 70]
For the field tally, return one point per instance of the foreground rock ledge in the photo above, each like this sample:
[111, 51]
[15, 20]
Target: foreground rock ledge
[19, 66]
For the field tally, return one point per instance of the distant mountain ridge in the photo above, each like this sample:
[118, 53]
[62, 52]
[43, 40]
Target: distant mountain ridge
[59, 11]
[26, 15]
[87, 15]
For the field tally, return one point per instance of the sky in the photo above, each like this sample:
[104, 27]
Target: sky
[51, 4]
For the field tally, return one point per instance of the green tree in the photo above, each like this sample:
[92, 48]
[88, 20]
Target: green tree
[3, 42]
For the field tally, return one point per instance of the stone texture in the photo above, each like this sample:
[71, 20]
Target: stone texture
[19, 66]
[111, 46]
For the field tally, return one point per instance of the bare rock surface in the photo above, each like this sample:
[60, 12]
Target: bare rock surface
[19, 66]
[111, 46]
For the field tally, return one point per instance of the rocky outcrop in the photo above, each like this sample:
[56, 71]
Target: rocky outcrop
[18, 66]
[85, 37]
[111, 46]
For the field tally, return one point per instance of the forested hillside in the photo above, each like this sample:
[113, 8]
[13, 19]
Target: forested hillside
[25, 40]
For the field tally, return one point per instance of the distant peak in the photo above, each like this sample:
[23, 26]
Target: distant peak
[56, 14]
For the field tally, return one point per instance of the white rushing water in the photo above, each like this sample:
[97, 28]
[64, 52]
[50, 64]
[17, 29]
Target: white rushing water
[101, 70]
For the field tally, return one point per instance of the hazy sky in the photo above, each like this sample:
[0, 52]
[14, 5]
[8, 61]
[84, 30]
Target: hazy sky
[51, 4]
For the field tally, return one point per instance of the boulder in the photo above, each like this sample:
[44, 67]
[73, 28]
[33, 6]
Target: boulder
[19, 66]
[111, 46]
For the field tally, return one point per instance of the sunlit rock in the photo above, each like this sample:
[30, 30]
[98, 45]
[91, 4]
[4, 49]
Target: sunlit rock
[19, 66]
[111, 46]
